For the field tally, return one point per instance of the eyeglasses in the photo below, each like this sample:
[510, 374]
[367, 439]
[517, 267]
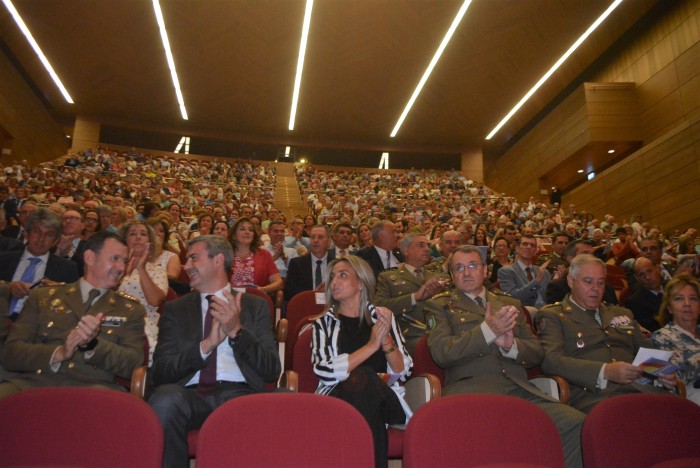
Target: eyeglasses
[648, 248]
[71, 218]
[91, 220]
[471, 266]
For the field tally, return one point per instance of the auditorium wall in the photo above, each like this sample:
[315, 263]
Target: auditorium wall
[660, 181]
[31, 132]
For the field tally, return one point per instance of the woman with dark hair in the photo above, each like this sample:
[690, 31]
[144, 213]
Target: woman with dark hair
[364, 236]
[501, 257]
[680, 333]
[220, 229]
[353, 342]
[309, 222]
[205, 223]
[253, 266]
[91, 223]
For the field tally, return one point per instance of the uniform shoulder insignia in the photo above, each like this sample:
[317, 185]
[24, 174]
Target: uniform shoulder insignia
[498, 292]
[442, 294]
[549, 306]
[390, 269]
[127, 296]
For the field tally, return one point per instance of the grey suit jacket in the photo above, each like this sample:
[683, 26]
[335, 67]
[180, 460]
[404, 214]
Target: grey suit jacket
[457, 343]
[512, 279]
[177, 356]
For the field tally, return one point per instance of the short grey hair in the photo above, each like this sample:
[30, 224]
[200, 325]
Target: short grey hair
[216, 245]
[408, 239]
[467, 249]
[45, 218]
[582, 260]
[378, 228]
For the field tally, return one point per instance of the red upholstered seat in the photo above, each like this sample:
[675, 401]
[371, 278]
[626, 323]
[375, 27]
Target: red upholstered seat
[481, 430]
[79, 426]
[642, 430]
[300, 306]
[299, 430]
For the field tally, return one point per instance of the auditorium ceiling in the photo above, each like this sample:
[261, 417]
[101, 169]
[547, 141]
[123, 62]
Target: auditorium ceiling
[237, 59]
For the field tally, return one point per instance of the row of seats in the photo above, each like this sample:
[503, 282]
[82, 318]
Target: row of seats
[94, 427]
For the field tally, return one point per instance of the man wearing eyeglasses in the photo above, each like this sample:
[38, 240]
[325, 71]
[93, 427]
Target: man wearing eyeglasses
[35, 265]
[485, 345]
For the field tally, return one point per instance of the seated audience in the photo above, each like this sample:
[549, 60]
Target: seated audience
[306, 272]
[253, 266]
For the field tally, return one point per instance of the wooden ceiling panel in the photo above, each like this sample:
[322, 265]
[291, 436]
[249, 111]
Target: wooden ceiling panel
[236, 61]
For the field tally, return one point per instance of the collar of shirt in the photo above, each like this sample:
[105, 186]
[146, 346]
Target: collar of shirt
[482, 295]
[597, 309]
[523, 266]
[314, 258]
[85, 289]
[26, 255]
[219, 294]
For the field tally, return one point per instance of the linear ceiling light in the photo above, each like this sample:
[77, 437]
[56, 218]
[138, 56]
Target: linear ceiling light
[37, 49]
[300, 62]
[433, 62]
[549, 73]
[169, 57]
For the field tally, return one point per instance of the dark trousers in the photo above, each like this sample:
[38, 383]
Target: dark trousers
[377, 403]
[181, 409]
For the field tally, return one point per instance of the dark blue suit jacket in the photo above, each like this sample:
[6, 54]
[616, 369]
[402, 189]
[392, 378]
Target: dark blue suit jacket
[371, 256]
[57, 268]
[300, 275]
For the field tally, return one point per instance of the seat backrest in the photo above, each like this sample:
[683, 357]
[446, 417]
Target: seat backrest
[652, 428]
[481, 429]
[423, 361]
[299, 430]
[302, 361]
[79, 426]
[300, 306]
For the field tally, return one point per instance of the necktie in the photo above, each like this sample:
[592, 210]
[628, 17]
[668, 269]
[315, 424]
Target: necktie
[480, 302]
[596, 315]
[341, 254]
[529, 273]
[27, 277]
[318, 275]
[419, 274]
[388, 260]
[207, 376]
[91, 297]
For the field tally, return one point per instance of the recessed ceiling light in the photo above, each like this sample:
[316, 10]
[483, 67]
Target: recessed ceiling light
[611, 151]
[300, 62]
[37, 50]
[580, 171]
[433, 62]
[554, 68]
[591, 175]
[169, 57]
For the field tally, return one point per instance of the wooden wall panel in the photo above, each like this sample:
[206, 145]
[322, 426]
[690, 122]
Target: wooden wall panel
[661, 180]
[35, 135]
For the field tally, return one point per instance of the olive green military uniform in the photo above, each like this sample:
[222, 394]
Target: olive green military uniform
[554, 262]
[472, 365]
[394, 290]
[576, 347]
[48, 316]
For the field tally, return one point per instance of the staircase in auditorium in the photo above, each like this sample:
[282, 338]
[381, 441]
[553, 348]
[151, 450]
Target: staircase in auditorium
[287, 195]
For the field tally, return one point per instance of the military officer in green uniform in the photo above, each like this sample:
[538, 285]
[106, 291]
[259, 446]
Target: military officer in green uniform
[79, 334]
[405, 289]
[485, 345]
[592, 344]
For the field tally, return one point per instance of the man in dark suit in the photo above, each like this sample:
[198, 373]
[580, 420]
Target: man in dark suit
[558, 288]
[306, 273]
[646, 301]
[383, 253]
[523, 280]
[485, 345]
[17, 232]
[78, 334]
[35, 265]
[8, 243]
[213, 345]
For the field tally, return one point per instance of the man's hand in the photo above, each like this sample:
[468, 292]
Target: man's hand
[622, 372]
[87, 330]
[227, 313]
[668, 380]
[541, 271]
[278, 250]
[430, 288]
[19, 289]
[502, 321]
[505, 340]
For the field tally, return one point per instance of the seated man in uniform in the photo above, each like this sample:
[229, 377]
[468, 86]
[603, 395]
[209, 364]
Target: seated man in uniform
[404, 290]
[485, 345]
[214, 344]
[592, 344]
[79, 334]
